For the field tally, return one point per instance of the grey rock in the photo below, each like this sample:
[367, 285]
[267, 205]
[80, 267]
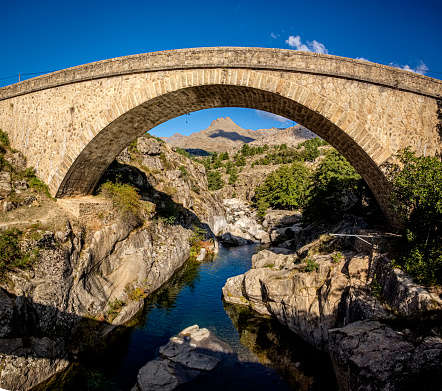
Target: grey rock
[5, 181]
[20, 185]
[231, 240]
[368, 352]
[156, 375]
[198, 361]
[8, 206]
[182, 359]
[201, 255]
[401, 292]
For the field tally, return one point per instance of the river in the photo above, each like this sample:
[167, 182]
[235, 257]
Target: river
[267, 356]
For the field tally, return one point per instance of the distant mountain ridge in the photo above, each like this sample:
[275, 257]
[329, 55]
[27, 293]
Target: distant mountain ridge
[224, 134]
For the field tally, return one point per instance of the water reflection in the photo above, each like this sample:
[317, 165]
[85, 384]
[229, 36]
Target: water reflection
[302, 367]
[266, 355]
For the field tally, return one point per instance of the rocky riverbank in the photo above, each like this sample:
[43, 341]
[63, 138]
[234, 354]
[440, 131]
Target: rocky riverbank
[350, 303]
[93, 265]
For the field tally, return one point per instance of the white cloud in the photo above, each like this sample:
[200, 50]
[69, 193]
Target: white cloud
[271, 116]
[314, 46]
[317, 47]
[362, 58]
[274, 36]
[420, 68]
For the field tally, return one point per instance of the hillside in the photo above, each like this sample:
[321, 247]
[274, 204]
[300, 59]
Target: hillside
[223, 134]
[290, 136]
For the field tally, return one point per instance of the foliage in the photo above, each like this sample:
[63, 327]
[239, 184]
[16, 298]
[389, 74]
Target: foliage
[224, 156]
[11, 254]
[29, 175]
[134, 294]
[233, 175]
[4, 139]
[214, 180]
[184, 172]
[376, 289]
[163, 159]
[183, 152]
[197, 242]
[114, 309]
[133, 147]
[336, 258]
[198, 235]
[285, 188]
[333, 181]
[124, 197]
[417, 196]
[206, 163]
[148, 135]
[311, 151]
[168, 220]
[241, 160]
[311, 266]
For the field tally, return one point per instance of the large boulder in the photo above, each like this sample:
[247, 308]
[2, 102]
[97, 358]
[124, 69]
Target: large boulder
[182, 359]
[369, 355]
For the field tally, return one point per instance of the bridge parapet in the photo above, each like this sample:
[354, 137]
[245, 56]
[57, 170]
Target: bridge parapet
[234, 57]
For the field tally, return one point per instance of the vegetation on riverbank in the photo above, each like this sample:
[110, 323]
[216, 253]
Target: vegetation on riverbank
[417, 197]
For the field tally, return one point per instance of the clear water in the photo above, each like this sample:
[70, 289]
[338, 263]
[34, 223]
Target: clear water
[266, 355]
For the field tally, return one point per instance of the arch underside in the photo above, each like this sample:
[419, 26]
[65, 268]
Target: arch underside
[84, 174]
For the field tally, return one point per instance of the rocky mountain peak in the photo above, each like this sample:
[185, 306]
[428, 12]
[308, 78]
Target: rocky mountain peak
[222, 121]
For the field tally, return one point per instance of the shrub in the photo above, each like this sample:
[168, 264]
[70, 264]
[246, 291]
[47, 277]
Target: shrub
[124, 197]
[214, 180]
[285, 188]
[163, 159]
[11, 255]
[114, 309]
[311, 266]
[183, 171]
[4, 139]
[33, 181]
[183, 152]
[196, 241]
[336, 258]
[334, 182]
[233, 175]
[417, 197]
[134, 294]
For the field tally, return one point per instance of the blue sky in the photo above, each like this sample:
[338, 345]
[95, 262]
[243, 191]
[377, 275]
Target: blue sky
[43, 35]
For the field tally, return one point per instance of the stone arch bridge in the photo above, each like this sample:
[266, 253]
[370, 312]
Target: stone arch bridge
[71, 124]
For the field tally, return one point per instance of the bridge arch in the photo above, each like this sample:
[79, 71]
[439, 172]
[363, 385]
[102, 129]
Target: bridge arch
[73, 123]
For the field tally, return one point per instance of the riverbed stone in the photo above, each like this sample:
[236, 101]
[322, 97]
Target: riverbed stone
[156, 375]
[182, 359]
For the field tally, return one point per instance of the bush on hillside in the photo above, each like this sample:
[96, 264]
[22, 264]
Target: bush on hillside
[125, 199]
[285, 188]
[336, 188]
[11, 255]
[4, 139]
[417, 197]
[214, 180]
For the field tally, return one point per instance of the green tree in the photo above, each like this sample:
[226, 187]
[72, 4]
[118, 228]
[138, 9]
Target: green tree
[233, 175]
[417, 196]
[241, 161]
[224, 156]
[285, 188]
[214, 180]
[246, 150]
[335, 183]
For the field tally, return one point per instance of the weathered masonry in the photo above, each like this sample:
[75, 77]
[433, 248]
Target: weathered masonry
[72, 123]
